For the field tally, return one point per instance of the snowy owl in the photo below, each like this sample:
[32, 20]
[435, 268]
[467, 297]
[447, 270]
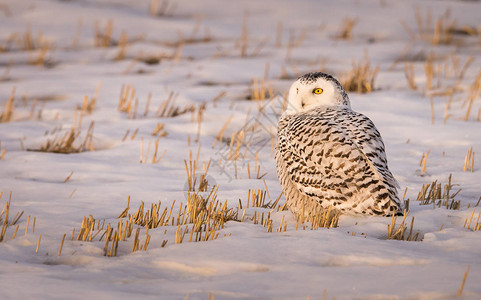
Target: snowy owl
[329, 155]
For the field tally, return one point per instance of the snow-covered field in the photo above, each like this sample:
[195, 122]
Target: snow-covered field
[209, 59]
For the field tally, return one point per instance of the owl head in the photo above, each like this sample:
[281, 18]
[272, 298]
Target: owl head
[315, 89]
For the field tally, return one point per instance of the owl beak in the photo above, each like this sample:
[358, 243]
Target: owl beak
[303, 102]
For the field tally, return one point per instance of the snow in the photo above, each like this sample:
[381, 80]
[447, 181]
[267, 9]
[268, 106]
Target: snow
[352, 261]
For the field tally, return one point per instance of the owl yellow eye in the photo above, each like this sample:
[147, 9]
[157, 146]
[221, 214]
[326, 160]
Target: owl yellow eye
[318, 91]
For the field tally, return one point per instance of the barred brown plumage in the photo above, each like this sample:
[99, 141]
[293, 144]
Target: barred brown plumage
[329, 155]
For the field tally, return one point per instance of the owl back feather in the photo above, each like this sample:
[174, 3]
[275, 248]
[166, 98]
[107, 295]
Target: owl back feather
[334, 157]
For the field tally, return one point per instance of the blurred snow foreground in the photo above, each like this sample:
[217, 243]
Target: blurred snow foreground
[137, 141]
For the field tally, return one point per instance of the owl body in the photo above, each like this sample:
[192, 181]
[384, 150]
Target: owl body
[330, 156]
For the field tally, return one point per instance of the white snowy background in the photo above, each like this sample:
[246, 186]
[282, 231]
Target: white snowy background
[203, 58]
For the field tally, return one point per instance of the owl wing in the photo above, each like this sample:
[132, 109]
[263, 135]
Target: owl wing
[364, 135]
[338, 159]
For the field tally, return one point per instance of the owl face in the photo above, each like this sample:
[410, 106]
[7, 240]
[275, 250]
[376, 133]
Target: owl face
[313, 90]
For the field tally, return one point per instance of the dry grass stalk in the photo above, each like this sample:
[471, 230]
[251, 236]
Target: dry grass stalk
[122, 46]
[7, 46]
[147, 104]
[156, 159]
[257, 198]
[86, 233]
[218, 97]
[126, 135]
[7, 112]
[132, 64]
[423, 161]
[68, 143]
[126, 210]
[236, 142]
[88, 105]
[168, 109]
[206, 216]
[409, 74]
[446, 114]
[146, 243]
[448, 69]
[132, 137]
[477, 226]
[346, 27]
[68, 177]
[86, 229]
[16, 218]
[200, 219]
[459, 293]
[25, 41]
[61, 245]
[71, 194]
[317, 216]
[41, 58]
[126, 102]
[260, 90]
[257, 168]
[5, 214]
[159, 130]
[441, 32]
[407, 55]
[434, 193]
[104, 39]
[144, 158]
[28, 42]
[283, 226]
[458, 72]
[38, 243]
[151, 218]
[220, 136]
[294, 41]
[361, 77]
[399, 233]
[194, 36]
[32, 109]
[429, 71]
[469, 160]
[6, 210]
[176, 56]
[15, 232]
[26, 227]
[474, 92]
[243, 42]
[109, 236]
[200, 117]
[244, 37]
[190, 168]
[267, 190]
[6, 73]
[164, 9]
